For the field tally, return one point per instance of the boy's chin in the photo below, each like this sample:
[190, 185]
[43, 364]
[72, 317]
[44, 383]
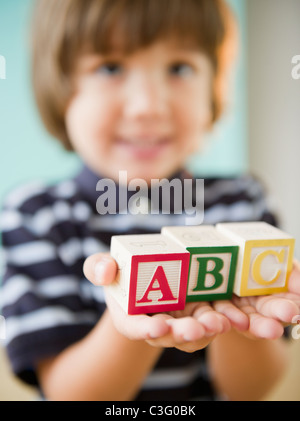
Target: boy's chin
[151, 175]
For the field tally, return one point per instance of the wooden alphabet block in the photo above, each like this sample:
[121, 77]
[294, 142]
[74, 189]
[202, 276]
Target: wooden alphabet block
[265, 257]
[153, 272]
[213, 259]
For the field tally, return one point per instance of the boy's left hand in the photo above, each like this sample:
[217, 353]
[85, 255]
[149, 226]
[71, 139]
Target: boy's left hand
[269, 314]
[197, 325]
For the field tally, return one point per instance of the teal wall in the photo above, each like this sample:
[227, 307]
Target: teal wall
[27, 152]
[226, 150]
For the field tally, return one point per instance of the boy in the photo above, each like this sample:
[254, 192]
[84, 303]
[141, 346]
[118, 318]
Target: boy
[129, 85]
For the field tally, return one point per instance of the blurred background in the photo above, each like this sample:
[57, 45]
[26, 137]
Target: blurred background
[260, 132]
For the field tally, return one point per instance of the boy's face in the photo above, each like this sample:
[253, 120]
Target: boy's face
[144, 113]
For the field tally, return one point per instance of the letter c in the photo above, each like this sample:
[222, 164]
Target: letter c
[256, 268]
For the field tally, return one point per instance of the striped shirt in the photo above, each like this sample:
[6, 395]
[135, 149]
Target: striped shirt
[47, 233]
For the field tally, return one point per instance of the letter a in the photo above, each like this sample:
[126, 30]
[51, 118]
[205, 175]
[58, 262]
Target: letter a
[163, 286]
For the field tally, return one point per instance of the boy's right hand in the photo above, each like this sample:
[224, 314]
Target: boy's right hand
[189, 330]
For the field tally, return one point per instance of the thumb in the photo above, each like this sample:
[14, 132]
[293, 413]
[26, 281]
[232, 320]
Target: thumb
[100, 269]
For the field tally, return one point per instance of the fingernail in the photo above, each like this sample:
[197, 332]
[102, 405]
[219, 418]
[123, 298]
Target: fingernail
[99, 270]
[187, 338]
[154, 335]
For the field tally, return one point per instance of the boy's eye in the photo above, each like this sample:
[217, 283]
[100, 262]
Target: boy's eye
[181, 69]
[110, 69]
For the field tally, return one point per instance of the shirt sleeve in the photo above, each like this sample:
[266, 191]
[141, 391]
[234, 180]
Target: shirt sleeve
[45, 300]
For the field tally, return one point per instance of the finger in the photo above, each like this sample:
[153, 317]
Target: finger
[100, 269]
[296, 264]
[137, 327]
[213, 321]
[186, 329]
[264, 327]
[143, 327]
[290, 296]
[260, 326]
[185, 334]
[294, 280]
[277, 308]
[196, 345]
[238, 319]
[169, 342]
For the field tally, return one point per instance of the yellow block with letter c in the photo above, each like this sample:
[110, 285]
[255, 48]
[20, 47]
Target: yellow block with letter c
[253, 280]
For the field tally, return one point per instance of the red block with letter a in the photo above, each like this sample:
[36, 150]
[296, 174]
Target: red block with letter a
[153, 273]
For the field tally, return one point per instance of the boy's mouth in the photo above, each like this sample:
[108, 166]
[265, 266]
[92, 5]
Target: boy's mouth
[143, 147]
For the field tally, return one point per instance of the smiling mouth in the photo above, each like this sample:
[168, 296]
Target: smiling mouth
[146, 148]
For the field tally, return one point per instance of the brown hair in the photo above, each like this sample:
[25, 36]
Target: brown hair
[62, 29]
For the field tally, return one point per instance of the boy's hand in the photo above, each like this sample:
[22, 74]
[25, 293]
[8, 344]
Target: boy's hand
[195, 327]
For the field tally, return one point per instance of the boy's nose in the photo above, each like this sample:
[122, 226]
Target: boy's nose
[146, 97]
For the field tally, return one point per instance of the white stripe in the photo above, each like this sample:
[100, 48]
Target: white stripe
[55, 287]
[31, 253]
[70, 251]
[66, 189]
[10, 220]
[163, 378]
[14, 289]
[92, 246]
[242, 210]
[123, 223]
[45, 218]
[42, 222]
[234, 213]
[2, 264]
[75, 249]
[43, 319]
[42, 251]
[23, 193]
[232, 187]
[39, 223]
[82, 211]
[93, 292]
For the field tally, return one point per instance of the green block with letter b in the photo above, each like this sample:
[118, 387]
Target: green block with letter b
[212, 273]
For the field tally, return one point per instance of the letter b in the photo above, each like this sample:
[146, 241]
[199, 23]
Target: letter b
[204, 271]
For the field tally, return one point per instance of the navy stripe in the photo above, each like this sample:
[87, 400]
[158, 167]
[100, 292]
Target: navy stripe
[31, 302]
[47, 269]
